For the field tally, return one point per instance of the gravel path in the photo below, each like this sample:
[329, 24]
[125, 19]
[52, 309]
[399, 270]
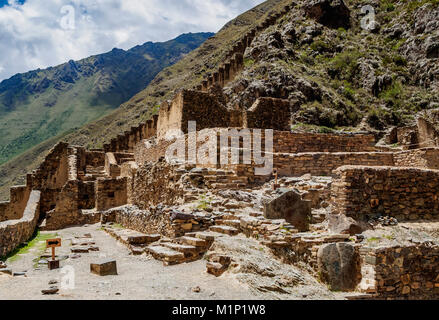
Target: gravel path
[143, 278]
[140, 277]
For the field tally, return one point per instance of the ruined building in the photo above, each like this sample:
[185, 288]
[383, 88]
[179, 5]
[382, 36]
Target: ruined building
[75, 186]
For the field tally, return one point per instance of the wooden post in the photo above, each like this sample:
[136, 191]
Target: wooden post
[53, 243]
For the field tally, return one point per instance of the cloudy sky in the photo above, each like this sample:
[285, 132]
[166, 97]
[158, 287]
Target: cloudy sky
[41, 33]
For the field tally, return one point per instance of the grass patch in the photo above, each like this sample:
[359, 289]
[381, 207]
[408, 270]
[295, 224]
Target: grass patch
[204, 202]
[393, 95]
[374, 239]
[311, 128]
[248, 62]
[38, 241]
[344, 66]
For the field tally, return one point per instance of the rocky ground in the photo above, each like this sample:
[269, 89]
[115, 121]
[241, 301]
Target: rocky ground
[254, 274]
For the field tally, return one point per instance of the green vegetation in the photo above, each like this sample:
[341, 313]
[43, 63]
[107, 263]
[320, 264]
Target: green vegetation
[373, 239]
[311, 128]
[37, 242]
[387, 5]
[393, 95]
[248, 62]
[320, 46]
[204, 202]
[155, 110]
[344, 65]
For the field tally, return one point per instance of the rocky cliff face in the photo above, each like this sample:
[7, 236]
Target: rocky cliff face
[338, 74]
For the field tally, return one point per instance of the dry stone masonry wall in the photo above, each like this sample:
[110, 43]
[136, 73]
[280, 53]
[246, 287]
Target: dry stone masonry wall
[404, 193]
[15, 232]
[401, 272]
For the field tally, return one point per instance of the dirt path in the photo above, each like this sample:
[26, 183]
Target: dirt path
[140, 277]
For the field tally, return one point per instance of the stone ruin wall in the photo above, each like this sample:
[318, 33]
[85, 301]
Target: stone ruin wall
[191, 105]
[15, 232]
[421, 135]
[401, 272]
[147, 222]
[151, 150]
[113, 162]
[111, 193]
[403, 193]
[268, 113]
[29, 202]
[284, 142]
[427, 134]
[129, 171]
[156, 220]
[67, 189]
[14, 208]
[76, 194]
[422, 158]
[324, 163]
[234, 61]
[129, 139]
[51, 176]
[156, 183]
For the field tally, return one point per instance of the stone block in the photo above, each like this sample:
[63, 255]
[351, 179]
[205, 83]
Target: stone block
[215, 268]
[6, 271]
[50, 291]
[289, 205]
[53, 264]
[104, 268]
[339, 266]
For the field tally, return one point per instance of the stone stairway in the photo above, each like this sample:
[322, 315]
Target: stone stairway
[188, 248]
[231, 231]
[93, 173]
[126, 159]
[135, 241]
[318, 217]
[225, 179]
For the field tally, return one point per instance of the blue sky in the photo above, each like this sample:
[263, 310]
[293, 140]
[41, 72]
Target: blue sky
[5, 2]
[42, 33]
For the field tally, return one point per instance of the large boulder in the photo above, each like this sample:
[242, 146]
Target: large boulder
[289, 205]
[341, 224]
[339, 266]
[330, 13]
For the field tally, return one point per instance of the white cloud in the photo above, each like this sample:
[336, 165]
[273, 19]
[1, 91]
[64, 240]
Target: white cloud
[38, 33]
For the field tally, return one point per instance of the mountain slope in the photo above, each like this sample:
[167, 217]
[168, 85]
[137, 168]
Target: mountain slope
[185, 73]
[335, 74]
[41, 104]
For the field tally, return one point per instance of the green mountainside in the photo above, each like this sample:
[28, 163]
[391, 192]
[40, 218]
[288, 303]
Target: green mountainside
[41, 104]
